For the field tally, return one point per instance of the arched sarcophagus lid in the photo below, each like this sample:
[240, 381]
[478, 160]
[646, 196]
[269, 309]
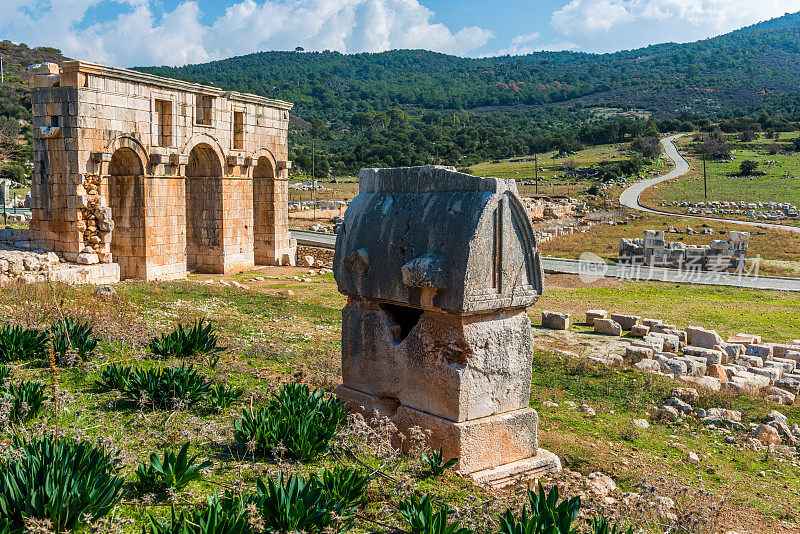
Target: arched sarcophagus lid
[434, 238]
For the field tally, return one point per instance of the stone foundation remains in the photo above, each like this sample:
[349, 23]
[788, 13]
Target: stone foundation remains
[653, 250]
[439, 268]
[157, 175]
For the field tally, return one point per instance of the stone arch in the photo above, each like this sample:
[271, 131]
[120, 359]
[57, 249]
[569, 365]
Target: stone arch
[129, 142]
[126, 199]
[204, 210]
[264, 210]
[203, 162]
[125, 162]
[206, 142]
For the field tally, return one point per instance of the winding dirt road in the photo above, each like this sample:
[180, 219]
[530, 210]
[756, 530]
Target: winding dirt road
[630, 196]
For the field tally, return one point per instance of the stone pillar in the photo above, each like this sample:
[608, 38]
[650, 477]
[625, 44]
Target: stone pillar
[439, 268]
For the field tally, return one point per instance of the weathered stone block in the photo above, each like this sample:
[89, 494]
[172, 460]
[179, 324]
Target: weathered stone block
[608, 327]
[555, 320]
[591, 315]
[625, 321]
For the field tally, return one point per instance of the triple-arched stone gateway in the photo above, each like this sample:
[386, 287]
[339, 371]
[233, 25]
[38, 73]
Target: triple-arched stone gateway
[158, 175]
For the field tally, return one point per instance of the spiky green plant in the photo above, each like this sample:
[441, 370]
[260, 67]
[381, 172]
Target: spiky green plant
[168, 388]
[59, 479]
[297, 419]
[26, 399]
[71, 334]
[547, 515]
[223, 396]
[18, 343]
[344, 489]
[174, 471]
[5, 374]
[422, 518]
[435, 464]
[114, 376]
[600, 525]
[185, 341]
[292, 504]
[224, 515]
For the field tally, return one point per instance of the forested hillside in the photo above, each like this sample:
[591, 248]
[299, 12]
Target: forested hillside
[406, 107]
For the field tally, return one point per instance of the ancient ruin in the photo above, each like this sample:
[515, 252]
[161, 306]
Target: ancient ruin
[439, 268]
[720, 255]
[157, 175]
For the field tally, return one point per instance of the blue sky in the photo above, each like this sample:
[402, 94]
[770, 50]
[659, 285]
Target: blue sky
[176, 32]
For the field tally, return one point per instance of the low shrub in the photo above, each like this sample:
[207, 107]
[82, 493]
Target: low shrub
[24, 400]
[547, 515]
[114, 376]
[70, 336]
[220, 515]
[176, 387]
[174, 471]
[296, 420]
[344, 489]
[64, 481]
[435, 464]
[422, 519]
[292, 504]
[18, 343]
[199, 338]
[223, 396]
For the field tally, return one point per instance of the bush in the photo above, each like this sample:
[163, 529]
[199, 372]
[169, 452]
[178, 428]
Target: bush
[75, 335]
[434, 463]
[225, 515]
[62, 480]
[547, 515]
[167, 388]
[747, 167]
[18, 343]
[301, 421]
[114, 376]
[292, 505]
[423, 520]
[24, 400]
[199, 338]
[600, 525]
[174, 471]
[223, 396]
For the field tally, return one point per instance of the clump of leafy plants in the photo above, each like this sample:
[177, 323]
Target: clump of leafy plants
[434, 463]
[547, 515]
[223, 396]
[18, 343]
[298, 421]
[176, 387]
[185, 341]
[601, 525]
[23, 401]
[114, 376]
[70, 337]
[220, 515]
[422, 518]
[59, 479]
[5, 374]
[174, 471]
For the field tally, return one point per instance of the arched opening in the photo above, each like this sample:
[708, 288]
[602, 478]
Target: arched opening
[126, 200]
[204, 210]
[203, 162]
[264, 211]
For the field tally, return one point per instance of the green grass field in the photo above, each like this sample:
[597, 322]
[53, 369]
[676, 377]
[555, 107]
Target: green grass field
[780, 183]
[272, 340]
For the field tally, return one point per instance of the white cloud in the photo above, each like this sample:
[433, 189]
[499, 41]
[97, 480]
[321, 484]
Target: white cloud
[708, 17]
[138, 37]
[525, 44]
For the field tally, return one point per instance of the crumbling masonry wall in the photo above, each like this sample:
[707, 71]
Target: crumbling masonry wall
[155, 174]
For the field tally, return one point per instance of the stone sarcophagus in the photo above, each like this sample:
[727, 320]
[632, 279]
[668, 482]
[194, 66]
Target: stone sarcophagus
[439, 268]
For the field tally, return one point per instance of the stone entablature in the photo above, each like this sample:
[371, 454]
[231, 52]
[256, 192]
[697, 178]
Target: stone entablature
[156, 174]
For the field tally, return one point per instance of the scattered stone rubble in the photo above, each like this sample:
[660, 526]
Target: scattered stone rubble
[28, 266]
[742, 364]
[765, 211]
[653, 250]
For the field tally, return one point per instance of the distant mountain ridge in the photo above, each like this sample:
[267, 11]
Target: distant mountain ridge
[717, 76]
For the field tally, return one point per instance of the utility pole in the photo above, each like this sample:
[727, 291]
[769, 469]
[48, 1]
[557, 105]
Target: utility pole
[536, 171]
[705, 180]
[2, 76]
[313, 178]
